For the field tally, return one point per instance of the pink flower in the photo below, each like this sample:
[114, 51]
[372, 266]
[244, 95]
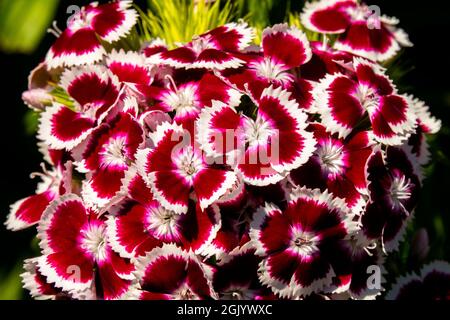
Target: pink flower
[344, 101]
[297, 242]
[80, 43]
[175, 168]
[76, 252]
[213, 50]
[360, 30]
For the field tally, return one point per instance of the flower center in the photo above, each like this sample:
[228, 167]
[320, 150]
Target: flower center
[367, 96]
[400, 190]
[183, 100]
[188, 163]
[304, 243]
[184, 293]
[270, 70]
[360, 12]
[331, 157]
[114, 153]
[163, 223]
[238, 293]
[199, 44]
[257, 131]
[94, 241]
[80, 20]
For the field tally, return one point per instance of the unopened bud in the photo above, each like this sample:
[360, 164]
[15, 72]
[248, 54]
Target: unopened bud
[37, 99]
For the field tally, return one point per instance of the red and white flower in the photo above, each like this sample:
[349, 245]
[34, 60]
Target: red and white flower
[263, 148]
[81, 43]
[236, 278]
[28, 211]
[337, 165]
[76, 252]
[105, 157]
[297, 243]
[170, 273]
[144, 224]
[176, 167]
[360, 30]
[213, 50]
[394, 186]
[94, 90]
[284, 48]
[187, 99]
[223, 169]
[343, 102]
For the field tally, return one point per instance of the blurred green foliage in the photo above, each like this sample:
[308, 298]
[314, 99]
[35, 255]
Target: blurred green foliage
[11, 285]
[23, 23]
[178, 21]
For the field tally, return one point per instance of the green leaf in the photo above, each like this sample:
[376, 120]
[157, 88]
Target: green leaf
[31, 122]
[11, 285]
[23, 23]
[177, 21]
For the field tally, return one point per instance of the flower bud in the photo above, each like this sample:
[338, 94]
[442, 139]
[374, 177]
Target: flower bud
[37, 99]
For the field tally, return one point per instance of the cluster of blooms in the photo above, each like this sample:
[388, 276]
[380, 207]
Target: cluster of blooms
[221, 169]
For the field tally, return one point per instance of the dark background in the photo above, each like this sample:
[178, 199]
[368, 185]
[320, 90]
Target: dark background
[428, 25]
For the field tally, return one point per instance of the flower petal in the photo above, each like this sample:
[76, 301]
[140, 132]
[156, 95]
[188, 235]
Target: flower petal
[62, 128]
[286, 45]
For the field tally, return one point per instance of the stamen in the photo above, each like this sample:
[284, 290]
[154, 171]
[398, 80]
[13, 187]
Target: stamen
[382, 241]
[55, 26]
[371, 246]
[43, 174]
[55, 30]
[324, 42]
[172, 82]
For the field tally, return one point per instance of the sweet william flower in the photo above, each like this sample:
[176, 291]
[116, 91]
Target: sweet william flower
[213, 50]
[105, 157]
[360, 31]
[80, 43]
[94, 90]
[283, 49]
[337, 165]
[262, 148]
[175, 167]
[169, 273]
[76, 253]
[188, 98]
[394, 186]
[343, 102]
[297, 243]
[143, 224]
[221, 168]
